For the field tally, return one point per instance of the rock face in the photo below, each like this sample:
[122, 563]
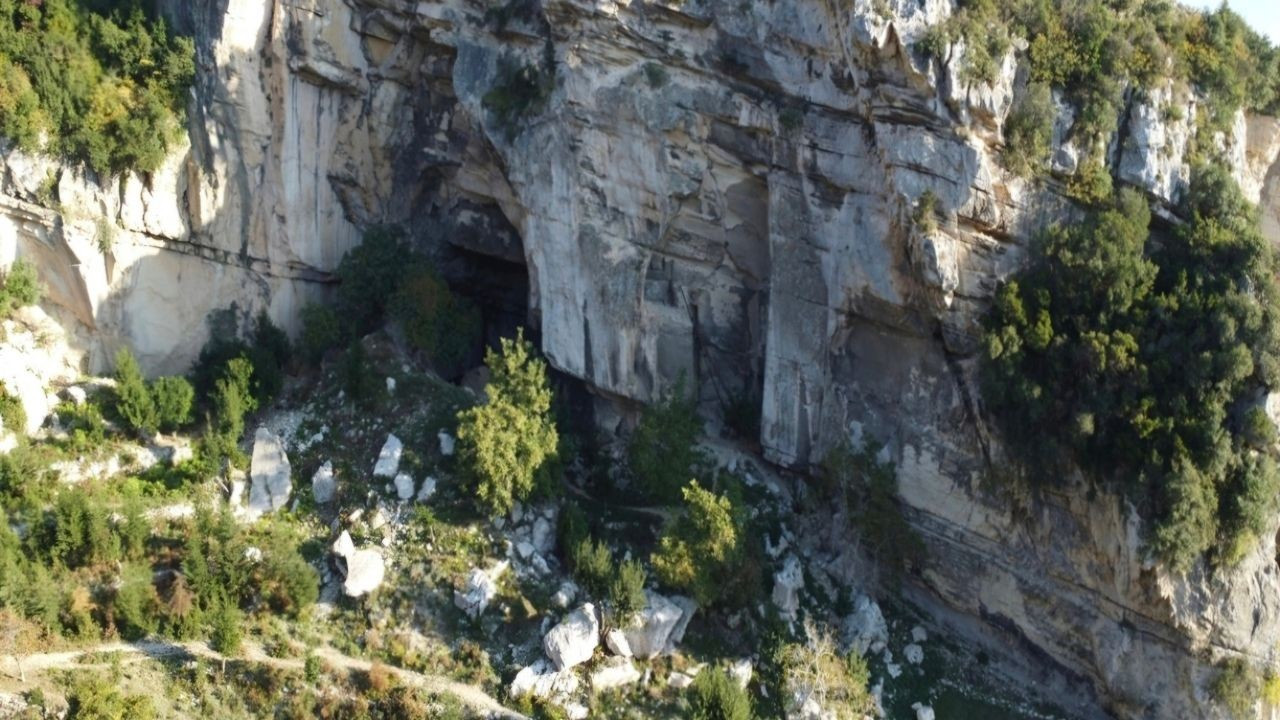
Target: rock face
[738, 213]
[270, 474]
[574, 639]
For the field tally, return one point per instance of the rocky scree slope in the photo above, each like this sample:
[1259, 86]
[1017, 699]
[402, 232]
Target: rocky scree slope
[718, 190]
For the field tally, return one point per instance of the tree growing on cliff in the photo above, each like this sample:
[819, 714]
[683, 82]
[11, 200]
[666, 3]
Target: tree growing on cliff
[700, 549]
[134, 403]
[505, 443]
[663, 449]
[19, 287]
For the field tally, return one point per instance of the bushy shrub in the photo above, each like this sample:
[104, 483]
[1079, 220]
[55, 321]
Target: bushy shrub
[1028, 131]
[444, 326]
[94, 698]
[359, 381]
[84, 424]
[519, 91]
[663, 450]
[504, 444]
[225, 634]
[136, 607]
[571, 529]
[815, 668]
[134, 403]
[699, 550]
[715, 696]
[19, 287]
[1134, 354]
[173, 398]
[1237, 688]
[233, 397]
[321, 332]
[626, 591]
[593, 567]
[369, 276]
[13, 417]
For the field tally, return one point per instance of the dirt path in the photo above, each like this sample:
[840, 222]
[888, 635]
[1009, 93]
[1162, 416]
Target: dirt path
[36, 663]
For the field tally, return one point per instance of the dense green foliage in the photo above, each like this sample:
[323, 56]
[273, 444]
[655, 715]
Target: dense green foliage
[840, 683]
[701, 549]
[519, 91]
[715, 696]
[620, 585]
[1094, 50]
[444, 326]
[505, 444]
[1136, 357]
[164, 404]
[592, 565]
[663, 450]
[266, 348]
[13, 417]
[369, 275]
[97, 699]
[19, 287]
[626, 591]
[321, 332]
[106, 83]
[134, 403]
[1237, 688]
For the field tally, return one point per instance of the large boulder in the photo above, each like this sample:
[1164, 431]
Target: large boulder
[270, 474]
[542, 680]
[404, 486]
[388, 463]
[364, 569]
[573, 641]
[650, 631]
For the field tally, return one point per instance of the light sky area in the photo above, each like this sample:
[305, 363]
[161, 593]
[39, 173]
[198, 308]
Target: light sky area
[1263, 15]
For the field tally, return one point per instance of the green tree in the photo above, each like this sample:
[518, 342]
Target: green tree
[134, 403]
[593, 567]
[173, 398]
[663, 450]
[626, 591]
[441, 324]
[699, 550]
[136, 606]
[19, 287]
[1028, 131]
[715, 696]
[369, 276]
[225, 634]
[504, 444]
[321, 332]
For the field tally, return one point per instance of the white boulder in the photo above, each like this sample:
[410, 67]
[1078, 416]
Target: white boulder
[649, 632]
[564, 594]
[865, 629]
[323, 484]
[740, 672]
[613, 673]
[388, 463]
[404, 486]
[617, 643]
[446, 443]
[270, 474]
[918, 634]
[427, 490]
[787, 584]
[343, 547]
[541, 680]
[679, 680]
[478, 591]
[914, 654]
[574, 639]
[923, 712]
[364, 569]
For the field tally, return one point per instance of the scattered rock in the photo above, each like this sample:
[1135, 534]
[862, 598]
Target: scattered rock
[427, 491]
[617, 643]
[914, 654]
[343, 547]
[740, 672]
[679, 680]
[918, 634]
[323, 484]
[446, 443]
[524, 550]
[388, 463]
[270, 474]
[787, 584]
[893, 669]
[865, 629]
[77, 395]
[651, 629]
[391, 386]
[364, 569]
[574, 639]
[576, 711]
[479, 589]
[543, 535]
[688, 606]
[253, 554]
[404, 486]
[564, 594]
[377, 520]
[614, 672]
[923, 712]
[541, 680]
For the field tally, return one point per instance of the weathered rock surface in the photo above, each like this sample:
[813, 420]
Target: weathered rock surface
[324, 485]
[388, 463]
[650, 631]
[614, 672]
[542, 680]
[865, 629]
[478, 590]
[364, 569]
[787, 584]
[270, 475]
[574, 639]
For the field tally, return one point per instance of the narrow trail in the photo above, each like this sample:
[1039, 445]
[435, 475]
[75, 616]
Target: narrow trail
[36, 663]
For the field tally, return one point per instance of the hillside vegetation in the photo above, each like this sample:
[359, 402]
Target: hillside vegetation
[95, 81]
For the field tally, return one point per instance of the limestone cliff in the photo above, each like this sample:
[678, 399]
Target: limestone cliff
[714, 189]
